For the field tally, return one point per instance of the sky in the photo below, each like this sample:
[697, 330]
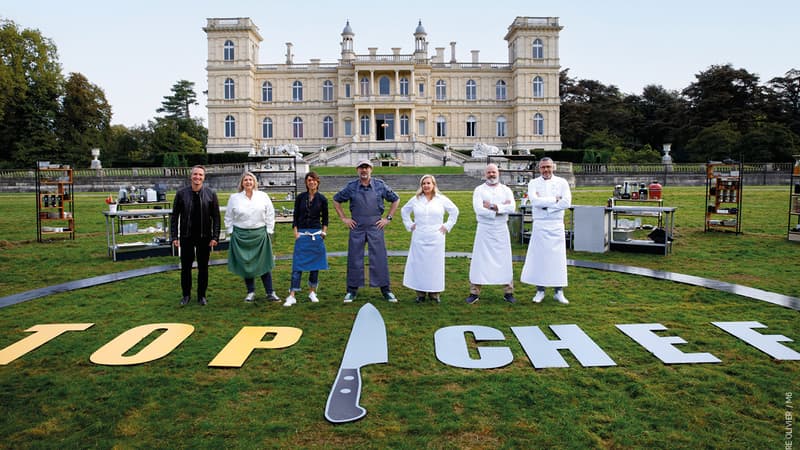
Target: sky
[137, 50]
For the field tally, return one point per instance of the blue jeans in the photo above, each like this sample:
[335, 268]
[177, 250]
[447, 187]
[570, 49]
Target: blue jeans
[266, 280]
[313, 279]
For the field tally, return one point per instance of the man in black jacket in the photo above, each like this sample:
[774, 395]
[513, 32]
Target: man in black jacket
[194, 229]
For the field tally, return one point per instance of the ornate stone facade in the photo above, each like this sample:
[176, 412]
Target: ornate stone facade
[379, 99]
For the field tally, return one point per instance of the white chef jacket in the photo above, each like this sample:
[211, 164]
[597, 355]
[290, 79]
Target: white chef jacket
[491, 252]
[425, 263]
[250, 213]
[546, 259]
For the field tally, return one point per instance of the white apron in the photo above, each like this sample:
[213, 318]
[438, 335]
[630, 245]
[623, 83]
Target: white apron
[491, 255]
[546, 260]
[425, 264]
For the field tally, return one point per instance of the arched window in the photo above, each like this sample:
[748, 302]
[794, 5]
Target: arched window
[500, 90]
[471, 126]
[230, 91]
[538, 87]
[327, 127]
[297, 128]
[297, 91]
[266, 128]
[364, 125]
[403, 86]
[472, 90]
[441, 90]
[266, 91]
[538, 124]
[364, 86]
[538, 49]
[441, 126]
[230, 127]
[404, 125]
[501, 126]
[327, 91]
[227, 51]
[384, 86]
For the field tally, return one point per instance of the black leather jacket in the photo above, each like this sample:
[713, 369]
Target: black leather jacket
[182, 214]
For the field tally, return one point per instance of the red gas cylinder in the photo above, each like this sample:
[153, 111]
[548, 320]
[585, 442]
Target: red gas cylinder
[655, 190]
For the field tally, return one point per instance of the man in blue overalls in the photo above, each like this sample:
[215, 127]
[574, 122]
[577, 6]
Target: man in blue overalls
[366, 196]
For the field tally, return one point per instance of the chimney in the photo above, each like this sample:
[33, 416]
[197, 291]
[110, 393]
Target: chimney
[475, 58]
[289, 54]
[452, 52]
[439, 54]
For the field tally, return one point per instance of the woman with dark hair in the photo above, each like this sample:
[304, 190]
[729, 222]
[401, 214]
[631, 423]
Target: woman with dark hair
[310, 225]
[250, 222]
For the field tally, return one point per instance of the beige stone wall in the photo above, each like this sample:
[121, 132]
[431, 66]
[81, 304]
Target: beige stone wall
[248, 109]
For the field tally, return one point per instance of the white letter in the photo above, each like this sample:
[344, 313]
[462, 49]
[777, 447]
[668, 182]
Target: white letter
[451, 347]
[767, 343]
[662, 347]
[543, 352]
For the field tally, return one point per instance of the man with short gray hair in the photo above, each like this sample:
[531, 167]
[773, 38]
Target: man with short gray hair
[366, 223]
[546, 260]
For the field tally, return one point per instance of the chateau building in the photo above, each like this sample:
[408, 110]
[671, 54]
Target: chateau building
[372, 99]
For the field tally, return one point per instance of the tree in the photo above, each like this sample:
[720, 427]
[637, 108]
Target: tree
[84, 120]
[769, 141]
[717, 142]
[724, 93]
[176, 106]
[660, 113]
[784, 99]
[30, 89]
[588, 106]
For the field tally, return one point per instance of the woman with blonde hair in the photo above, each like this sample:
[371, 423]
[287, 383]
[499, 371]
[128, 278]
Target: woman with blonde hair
[424, 271]
[250, 222]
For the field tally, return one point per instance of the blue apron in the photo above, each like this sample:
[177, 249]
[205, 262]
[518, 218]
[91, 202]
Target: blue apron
[366, 212]
[309, 251]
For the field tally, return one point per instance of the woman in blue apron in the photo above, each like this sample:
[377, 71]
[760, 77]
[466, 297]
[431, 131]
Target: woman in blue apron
[310, 224]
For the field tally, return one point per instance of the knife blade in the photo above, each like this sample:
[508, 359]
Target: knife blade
[367, 345]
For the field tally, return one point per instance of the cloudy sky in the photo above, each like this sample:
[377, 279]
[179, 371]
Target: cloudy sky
[136, 51]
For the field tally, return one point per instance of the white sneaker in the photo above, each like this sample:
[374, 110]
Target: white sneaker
[251, 296]
[290, 300]
[538, 297]
[560, 297]
[313, 297]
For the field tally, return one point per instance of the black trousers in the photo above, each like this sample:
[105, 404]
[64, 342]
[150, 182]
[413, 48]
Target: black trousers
[192, 249]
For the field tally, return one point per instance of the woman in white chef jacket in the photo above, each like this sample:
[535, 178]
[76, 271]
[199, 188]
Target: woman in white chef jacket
[424, 271]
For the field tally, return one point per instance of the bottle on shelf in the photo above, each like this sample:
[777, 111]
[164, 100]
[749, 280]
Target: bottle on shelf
[642, 191]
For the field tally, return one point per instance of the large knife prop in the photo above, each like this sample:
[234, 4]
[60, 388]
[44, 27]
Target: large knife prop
[367, 345]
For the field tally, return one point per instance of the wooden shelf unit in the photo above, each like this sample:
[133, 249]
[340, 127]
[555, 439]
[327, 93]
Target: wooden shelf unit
[723, 205]
[793, 229]
[55, 202]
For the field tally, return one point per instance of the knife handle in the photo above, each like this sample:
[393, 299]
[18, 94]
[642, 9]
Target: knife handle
[343, 400]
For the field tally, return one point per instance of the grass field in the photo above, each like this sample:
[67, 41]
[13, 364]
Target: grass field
[54, 397]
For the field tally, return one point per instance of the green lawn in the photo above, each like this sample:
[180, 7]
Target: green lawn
[54, 397]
